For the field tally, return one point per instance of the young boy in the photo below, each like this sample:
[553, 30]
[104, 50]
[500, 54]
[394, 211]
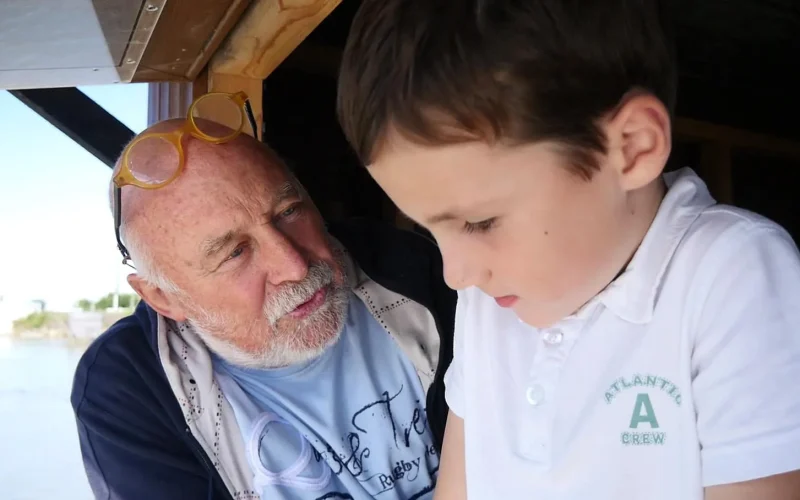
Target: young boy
[619, 334]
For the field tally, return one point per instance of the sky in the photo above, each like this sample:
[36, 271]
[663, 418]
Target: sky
[56, 230]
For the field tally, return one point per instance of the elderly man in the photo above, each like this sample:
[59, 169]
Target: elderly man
[272, 356]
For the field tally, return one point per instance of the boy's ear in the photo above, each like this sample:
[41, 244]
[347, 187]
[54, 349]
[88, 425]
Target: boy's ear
[639, 140]
[155, 297]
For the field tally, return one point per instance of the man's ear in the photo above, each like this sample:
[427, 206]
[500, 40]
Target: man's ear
[163, 303]
[639, 140]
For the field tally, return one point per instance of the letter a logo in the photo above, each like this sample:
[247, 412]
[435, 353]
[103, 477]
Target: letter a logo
[643, 412]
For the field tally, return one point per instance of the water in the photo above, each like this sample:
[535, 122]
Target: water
[39, 454]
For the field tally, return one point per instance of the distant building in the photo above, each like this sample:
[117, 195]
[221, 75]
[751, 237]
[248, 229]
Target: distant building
[5, 325]
[85, 325]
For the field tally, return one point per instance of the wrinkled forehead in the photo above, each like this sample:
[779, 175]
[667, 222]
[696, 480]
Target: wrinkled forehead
[194, 208]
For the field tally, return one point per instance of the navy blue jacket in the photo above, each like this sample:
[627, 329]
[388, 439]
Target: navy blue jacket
[131, 427]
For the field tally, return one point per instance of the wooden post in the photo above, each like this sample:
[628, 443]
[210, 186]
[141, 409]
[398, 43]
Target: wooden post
[694, 129]
[715, 167]
[200, 84]
[265, 35]
[718, 141]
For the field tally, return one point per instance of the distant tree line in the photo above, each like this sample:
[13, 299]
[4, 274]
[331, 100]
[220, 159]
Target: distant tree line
[39, 320]
[126, 301]
[42, 319]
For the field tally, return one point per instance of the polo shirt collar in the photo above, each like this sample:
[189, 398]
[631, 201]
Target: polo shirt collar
[633, 295]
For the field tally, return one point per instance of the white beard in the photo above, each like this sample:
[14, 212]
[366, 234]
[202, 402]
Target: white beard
[322, 329]
[280, 347]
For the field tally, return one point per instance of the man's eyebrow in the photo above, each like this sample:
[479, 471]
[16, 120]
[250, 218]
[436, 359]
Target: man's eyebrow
[214, 245]
[285, 191]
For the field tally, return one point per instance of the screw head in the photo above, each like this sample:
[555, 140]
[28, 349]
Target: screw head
[151, 8]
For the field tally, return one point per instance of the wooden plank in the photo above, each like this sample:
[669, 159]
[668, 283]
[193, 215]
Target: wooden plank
[226, 24]
[266, 34]
[325, 60]
[320, 59]
[185, 38]
[69, 43]
[141, 36]
[694, 129]
[200, 84]
[316, 59]
[715, 168]
[93, 128]
[117, 19]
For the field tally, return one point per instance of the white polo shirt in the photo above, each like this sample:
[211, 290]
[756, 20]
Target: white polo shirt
[684, 373]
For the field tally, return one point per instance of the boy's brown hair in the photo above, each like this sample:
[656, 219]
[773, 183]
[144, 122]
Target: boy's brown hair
[511, 71]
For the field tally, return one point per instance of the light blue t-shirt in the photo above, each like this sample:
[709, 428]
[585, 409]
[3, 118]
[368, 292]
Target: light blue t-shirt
[349, 424]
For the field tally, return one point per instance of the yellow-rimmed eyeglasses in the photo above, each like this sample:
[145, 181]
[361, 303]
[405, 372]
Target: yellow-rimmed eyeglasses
[155, 159]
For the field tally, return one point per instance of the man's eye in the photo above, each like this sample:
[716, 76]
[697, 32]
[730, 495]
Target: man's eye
[237, 252]
[293, 210]
[480, 227]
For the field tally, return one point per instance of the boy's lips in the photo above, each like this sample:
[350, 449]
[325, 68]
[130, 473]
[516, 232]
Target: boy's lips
[506, 300]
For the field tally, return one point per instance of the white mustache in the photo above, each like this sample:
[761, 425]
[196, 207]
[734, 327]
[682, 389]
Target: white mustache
[290, 295]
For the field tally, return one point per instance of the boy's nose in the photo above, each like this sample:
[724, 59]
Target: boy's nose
[462, 270]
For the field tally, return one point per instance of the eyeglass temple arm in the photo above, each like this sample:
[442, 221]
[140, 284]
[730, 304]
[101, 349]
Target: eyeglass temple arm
[248, 108]
[118, 223]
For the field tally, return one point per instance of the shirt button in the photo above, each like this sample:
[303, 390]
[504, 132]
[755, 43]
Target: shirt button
[535, 395]
[553, 338]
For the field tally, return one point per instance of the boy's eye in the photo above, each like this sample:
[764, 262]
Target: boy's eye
[480, 227]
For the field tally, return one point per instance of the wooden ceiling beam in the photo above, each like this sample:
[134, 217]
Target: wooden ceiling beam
[266, 34]
[187, 35]
[321, 60]
[687, 128]
[717, 145]
[93, 128]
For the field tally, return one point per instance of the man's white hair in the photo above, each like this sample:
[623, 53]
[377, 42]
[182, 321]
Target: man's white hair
[144, 262]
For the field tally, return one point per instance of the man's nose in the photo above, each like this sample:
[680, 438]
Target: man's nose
[282, 259]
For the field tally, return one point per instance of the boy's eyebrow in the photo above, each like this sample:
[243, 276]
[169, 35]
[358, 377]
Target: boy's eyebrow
[441, 217]
[459, 213]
